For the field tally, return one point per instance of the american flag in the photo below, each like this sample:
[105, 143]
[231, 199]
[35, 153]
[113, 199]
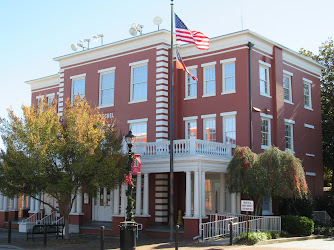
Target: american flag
[180, 65]
[184, 34]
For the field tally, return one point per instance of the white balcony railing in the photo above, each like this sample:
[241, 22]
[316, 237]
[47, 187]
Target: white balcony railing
[186, 147]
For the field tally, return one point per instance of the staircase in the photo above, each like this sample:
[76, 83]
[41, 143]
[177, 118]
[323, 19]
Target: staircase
[36, 219]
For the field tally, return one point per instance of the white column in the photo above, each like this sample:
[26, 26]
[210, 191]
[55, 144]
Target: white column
[188, 194]
[32, 205]
[11, 204]
[1, 202]
[238, 203]
[79, 201]
[138, 195]
[74, 205]
[146, 195]
[222, 193]
[196, 194]
[5, 203]
[123, 199]
[116, 200]
[16, 203]
[23, 205]
[28, 199]
[203, 194]
[37, 204]
[233, 203]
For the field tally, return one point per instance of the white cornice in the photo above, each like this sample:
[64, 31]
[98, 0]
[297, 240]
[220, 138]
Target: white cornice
[44, 82]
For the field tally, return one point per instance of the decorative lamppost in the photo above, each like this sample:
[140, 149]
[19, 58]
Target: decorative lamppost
[128, 227]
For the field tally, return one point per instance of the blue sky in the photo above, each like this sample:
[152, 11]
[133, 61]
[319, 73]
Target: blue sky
[36, 31]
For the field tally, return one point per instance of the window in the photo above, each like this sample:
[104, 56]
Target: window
[287, 87]
[191, 129]
[139, 81]
[307, 94]
[229, 127]
[265, 130]
[289, 135]
[191, 84]
[264, 79]
[107, 87]
[267, 205]
[78, 86]
[228, 75]
[139, 129]
[209, 81]
[209, 127]
[50, 98]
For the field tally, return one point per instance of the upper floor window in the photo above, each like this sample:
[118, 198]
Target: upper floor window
[228, 75]
[229, 127]
[78, 86]
[307, 94]
[139, 72]
[191, 84]
[209, 127]
[265, 130]
[288, 125]
[264, 79]
[107, 87]
[50, 99]
[209, 81]
[287, 86]
[190, 126]
[139, 129]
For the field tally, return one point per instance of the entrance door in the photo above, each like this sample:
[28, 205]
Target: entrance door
[103, 205]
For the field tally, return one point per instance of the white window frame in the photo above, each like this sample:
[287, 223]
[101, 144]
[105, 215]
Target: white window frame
[48, 96]
[187, 76]
[227, 115]
[105, 72]
[135, 65]
[224, 63]
[138, 122]
[207, 118]
[288, 75]
[266, 66]
[187, 120]
[76, 78]
[309, 84]
[290, 123]
[267, 118]
[270, 210]
[205, 67]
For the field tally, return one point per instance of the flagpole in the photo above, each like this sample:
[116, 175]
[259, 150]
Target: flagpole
[171, 131]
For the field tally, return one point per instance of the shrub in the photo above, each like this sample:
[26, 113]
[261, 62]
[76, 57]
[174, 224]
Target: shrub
[283, 233]
[253, 238]
[274, 234]
[301, 206]
[297, 225]
[325, 203]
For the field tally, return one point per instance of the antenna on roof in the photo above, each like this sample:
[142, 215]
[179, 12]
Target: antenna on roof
[136, 27]
[157, 21]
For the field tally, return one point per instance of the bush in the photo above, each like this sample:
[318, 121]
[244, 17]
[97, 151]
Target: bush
[301, 207]
[253, 238]
[297, 225]
[325, 203]
[283, 233]
[274, 234]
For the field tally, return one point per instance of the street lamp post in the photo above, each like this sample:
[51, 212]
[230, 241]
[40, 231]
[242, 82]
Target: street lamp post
[128, 227]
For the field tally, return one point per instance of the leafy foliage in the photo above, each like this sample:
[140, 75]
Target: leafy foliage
[300, 206]
[297, 225]
[253, 237]
[325, 203]
[58, 156]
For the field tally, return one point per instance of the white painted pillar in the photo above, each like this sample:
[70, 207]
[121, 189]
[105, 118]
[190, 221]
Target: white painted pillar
[28, 201]
[38, 204]
[79, 201]
[188, 194]
[74, 205]
[5, 203]
[16, 203]
[203, 194]
[32, 205]
[222, 193]
[23, 205]
[146, 195]
[116, 200]
[1, 202]
[233, 203]
[11, 204]
[238, 203]
[196, 194]
[123, 199]
[138, 195]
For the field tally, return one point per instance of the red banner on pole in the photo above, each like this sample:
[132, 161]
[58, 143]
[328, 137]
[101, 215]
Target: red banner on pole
[136, 164]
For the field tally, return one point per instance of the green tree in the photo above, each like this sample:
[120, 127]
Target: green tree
[273, 173]
[326, 59]
[56, 155]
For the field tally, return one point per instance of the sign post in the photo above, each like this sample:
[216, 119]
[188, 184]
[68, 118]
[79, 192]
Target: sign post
[247, 206]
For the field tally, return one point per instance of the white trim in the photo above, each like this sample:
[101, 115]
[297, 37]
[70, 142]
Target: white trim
[106, 70]
[308, 126]
[190, 98]
[209, 64]
[287, 75]
[259, 52]
[230, 60]
[40, 97]
[136, 101]
[189, 118]
[78, 76]
[224, 63]
[287, 72]
[304, 71]
[309, 84]
[266, 116]
[311, 155]
[161, 123]
[265, 64]
[138, 63]
[137, 120]
[289, 121]
[208, 116]
[307, 80]
[192, 67]
[228, 113]
[310, 174]
[267, 68]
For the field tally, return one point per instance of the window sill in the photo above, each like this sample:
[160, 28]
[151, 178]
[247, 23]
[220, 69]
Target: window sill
[289, 102]
[190, 97]
[267, 213]
[264, 147]
[228, 92]
[265, 95]
[209, 95]
[136, 101]
[308, 108]
[289, 150]
[106, 106]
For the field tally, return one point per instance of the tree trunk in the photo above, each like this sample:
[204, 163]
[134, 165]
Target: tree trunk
[67, 226]
[258, 206]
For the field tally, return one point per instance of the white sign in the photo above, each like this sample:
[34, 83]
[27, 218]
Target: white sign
[247, 205]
